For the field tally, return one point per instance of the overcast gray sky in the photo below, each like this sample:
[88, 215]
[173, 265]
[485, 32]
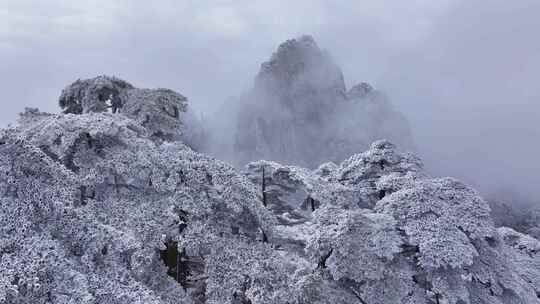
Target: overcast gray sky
[465, 73]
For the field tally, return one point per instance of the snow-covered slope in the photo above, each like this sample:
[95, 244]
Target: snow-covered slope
[99, 207]
[88, 202]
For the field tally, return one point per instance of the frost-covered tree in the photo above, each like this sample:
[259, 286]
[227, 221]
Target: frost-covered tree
[524, 251]
[372, 236]
[440, 210]
[90, 200]
[159, 110]
[163, 112]
[294, 193]
[358, 182]
[97, 94]
[420, 240]
[255, 272]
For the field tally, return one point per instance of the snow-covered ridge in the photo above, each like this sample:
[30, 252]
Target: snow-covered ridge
[96, 209]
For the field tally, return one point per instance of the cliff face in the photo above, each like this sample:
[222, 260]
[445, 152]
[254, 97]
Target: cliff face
[301, 76]
[299, 111]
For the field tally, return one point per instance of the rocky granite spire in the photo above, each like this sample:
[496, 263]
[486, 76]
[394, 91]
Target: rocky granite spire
[300, 66]
[299, 111]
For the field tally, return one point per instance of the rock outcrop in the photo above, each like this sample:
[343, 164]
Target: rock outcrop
[300, 112]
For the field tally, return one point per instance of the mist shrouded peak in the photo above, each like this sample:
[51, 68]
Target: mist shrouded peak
[300, 63]
[300, 112]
